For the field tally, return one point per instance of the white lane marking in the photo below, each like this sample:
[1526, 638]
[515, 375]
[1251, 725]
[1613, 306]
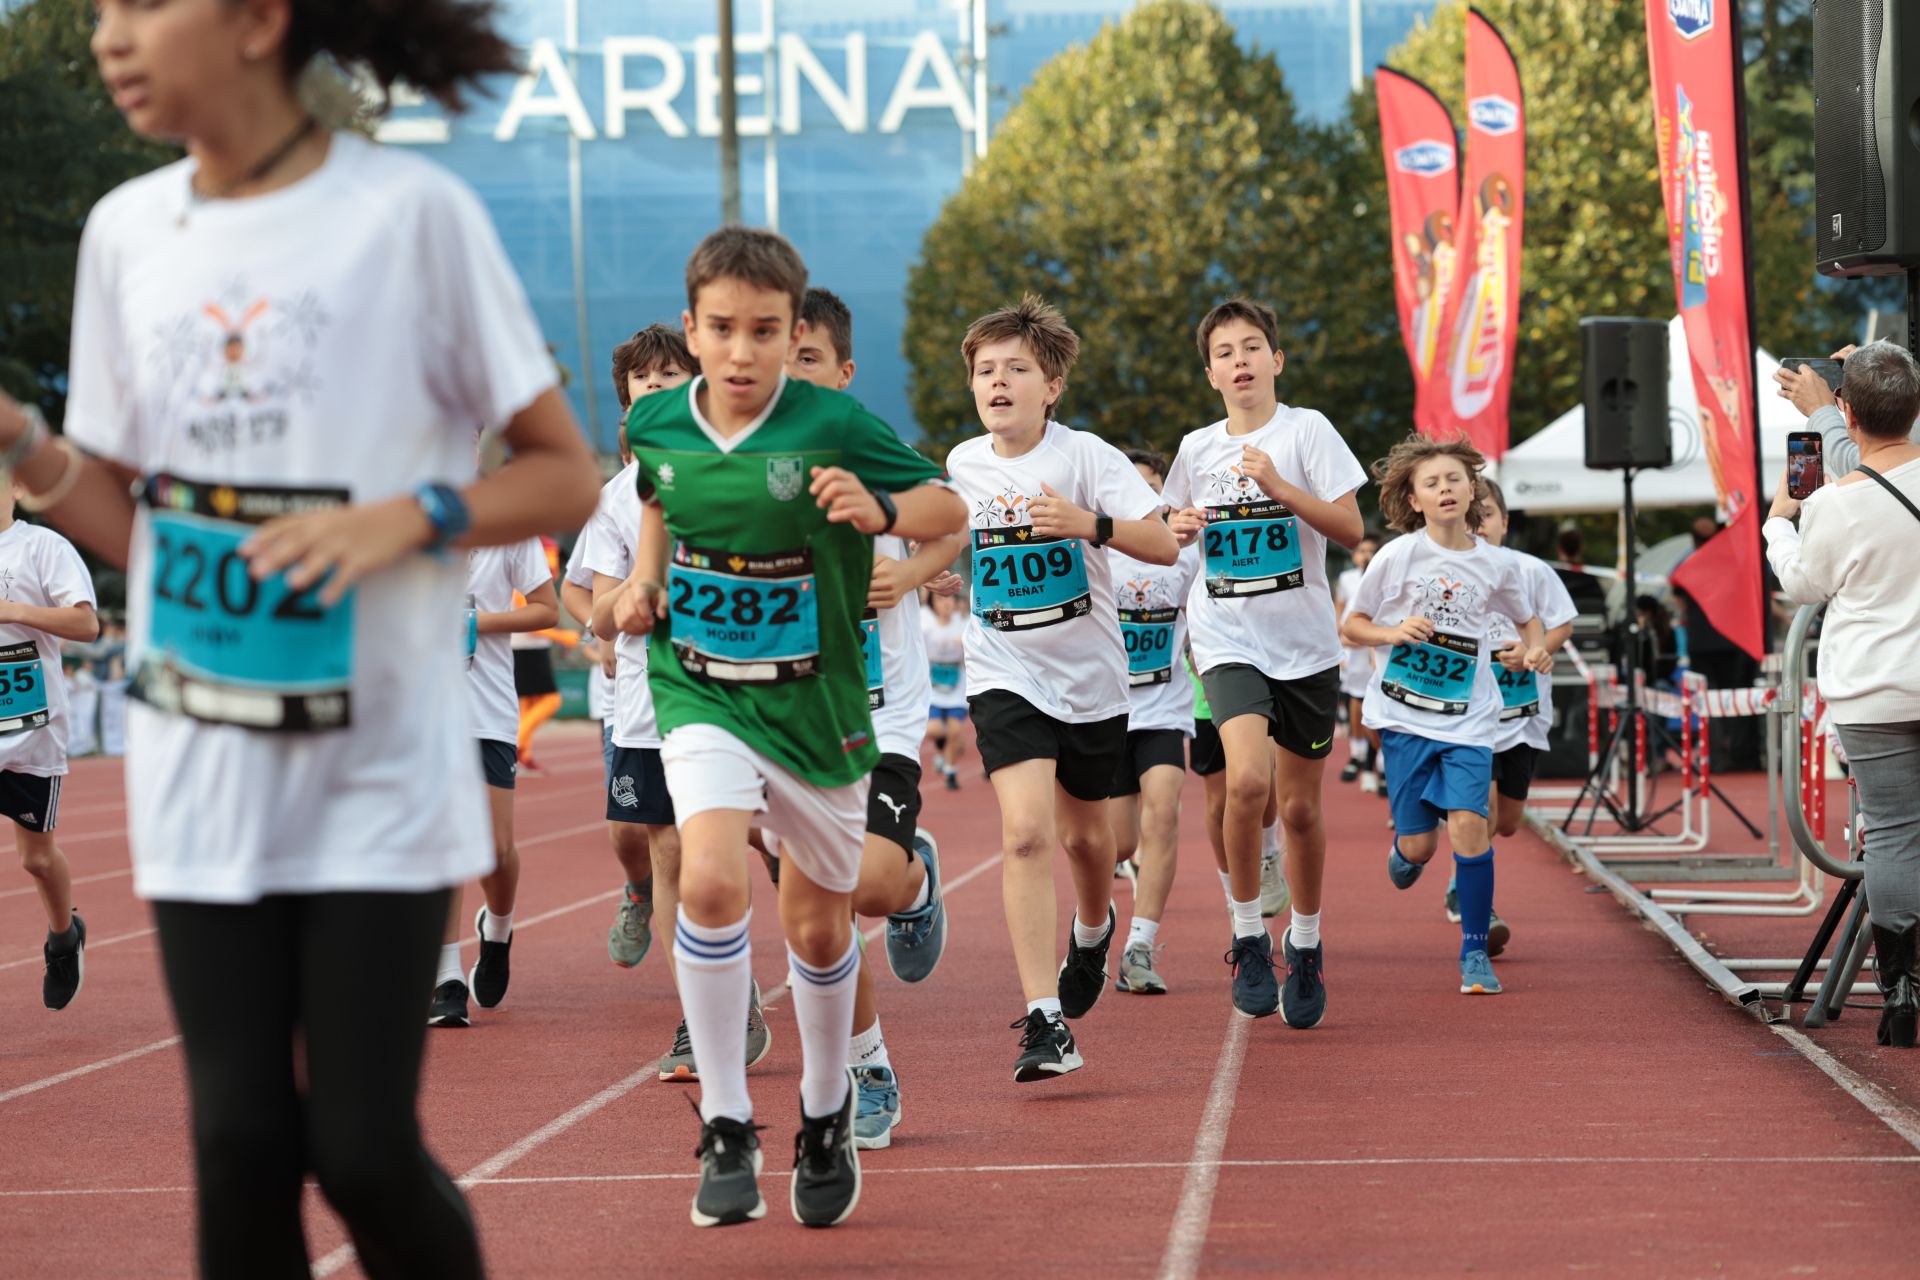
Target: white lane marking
[1884, 1109]
[1187, 1238]
[20, 1091]
[92, 946]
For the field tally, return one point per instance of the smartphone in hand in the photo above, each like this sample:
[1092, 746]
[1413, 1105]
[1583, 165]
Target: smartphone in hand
[1805, 472]
[1828, 368]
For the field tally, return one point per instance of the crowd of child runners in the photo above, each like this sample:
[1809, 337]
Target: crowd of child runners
[770, 583]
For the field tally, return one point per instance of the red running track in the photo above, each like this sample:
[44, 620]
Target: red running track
[1606, 1114]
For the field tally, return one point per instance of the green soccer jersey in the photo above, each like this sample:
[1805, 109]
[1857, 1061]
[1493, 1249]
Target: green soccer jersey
[762, 631]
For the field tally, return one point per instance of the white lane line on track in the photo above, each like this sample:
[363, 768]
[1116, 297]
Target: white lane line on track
[867, 1171]
[92, 946]
[1884, 1109]
[20, 1091]
[483, 1173]
[1187, 1239]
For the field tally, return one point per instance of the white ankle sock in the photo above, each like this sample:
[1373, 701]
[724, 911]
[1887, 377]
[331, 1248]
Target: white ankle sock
[1305, 931]
[716, 983]
[1142, 930]
[1085, 936]
[1049, 1005]
[1353, 748]
[495, 928]
[1246, 919]
[1226, 886]
[450, 970]
[823, 1007]
[921, 898]
[868, 1049]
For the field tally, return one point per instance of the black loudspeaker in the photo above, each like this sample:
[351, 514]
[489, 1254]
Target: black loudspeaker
[1866, 137]
[1624, 383]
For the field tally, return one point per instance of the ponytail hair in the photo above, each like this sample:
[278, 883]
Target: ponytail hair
[440, 47]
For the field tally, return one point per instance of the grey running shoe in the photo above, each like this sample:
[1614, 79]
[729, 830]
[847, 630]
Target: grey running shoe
[826, 1166]
[677, 1063]
[759, 1037]
[632, 932]
[1275, 896]
[878, 1108]
[1499, 934]
[730, 1159]
[1136, 972]
[917, 939]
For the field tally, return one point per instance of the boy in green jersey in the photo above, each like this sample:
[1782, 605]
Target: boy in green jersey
[756, 546]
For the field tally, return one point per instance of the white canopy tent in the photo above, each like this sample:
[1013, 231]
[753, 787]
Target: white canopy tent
[1548, 473]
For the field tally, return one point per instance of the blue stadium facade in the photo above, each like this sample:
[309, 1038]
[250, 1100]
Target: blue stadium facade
[859, 118]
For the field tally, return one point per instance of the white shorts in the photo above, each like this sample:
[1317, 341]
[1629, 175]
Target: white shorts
[824, 829]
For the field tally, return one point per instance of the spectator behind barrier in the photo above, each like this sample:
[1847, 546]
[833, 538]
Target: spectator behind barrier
[1858, 540]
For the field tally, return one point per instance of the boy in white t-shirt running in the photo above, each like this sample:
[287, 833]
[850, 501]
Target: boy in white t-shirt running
[1046, 668]
[1433, 596]
[46, 596]
[1263, 490]
[1356, 672]
[509, 592]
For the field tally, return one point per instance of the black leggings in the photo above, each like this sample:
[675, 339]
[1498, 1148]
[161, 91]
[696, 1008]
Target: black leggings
[343, 976]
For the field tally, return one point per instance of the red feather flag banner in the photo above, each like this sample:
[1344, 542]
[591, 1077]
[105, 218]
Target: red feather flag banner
[1484, 315]
[1422, 156]
[1693, 47]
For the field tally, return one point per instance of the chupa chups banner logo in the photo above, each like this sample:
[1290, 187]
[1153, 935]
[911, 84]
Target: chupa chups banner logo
[1428, 158]
[1690, 17]
[1493, 114]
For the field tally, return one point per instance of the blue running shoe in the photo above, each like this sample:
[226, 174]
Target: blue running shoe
[1476, 975]
[1400, 871]
[876, 1107]
[917, 939]
[1256, 993]
[1303, 995]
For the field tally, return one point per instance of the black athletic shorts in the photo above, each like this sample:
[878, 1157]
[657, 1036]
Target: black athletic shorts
[1204, 755]
[533, 673]
[1300, 713]
[893, 800]
[500, 761]
[638, 792]
[1513, 771]
[30, 800]
[1147, 748]
[1009, 730]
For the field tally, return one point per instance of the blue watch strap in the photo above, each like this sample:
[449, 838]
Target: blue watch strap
[445, 510]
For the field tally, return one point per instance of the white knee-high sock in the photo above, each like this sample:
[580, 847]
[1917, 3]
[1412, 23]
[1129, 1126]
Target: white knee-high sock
[716, 983]
[823, 1008]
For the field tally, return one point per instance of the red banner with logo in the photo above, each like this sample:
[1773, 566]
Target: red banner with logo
[1472, 392]
[1693, 49]
[1421, 151]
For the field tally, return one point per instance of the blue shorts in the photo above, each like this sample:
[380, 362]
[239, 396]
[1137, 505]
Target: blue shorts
[1428, 779]
[946, 713]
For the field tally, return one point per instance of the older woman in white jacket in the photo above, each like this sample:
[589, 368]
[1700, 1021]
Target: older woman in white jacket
[1858, 550]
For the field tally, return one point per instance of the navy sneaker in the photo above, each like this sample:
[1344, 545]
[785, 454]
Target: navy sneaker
[1304, 993]
[1255, 993]
[1402, 872]
[1083, 974]
[917, 939]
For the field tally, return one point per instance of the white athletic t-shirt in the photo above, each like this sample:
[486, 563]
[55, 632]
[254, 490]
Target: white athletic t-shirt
[1460, 591]
[213, 342]
[613, 539]
[1067, 661]
[1152, 604]
[493, 575]
[1286, 633]
[599, 688]
[1554, 607]
[900, 722]
[40, 568]
[946, 649]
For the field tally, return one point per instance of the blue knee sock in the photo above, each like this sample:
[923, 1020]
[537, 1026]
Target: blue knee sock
[1474, 884]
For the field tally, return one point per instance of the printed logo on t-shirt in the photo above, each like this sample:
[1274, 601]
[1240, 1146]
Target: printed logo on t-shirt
[1007, 507]
[235, 361]
[1447, 603]
[783, 478]
[1232, 485]
[1146, 593]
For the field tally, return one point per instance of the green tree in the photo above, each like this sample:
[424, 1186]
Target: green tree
[65, 147]
[1142, 178]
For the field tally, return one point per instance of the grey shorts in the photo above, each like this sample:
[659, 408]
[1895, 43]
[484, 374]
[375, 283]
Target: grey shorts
[1300, 714]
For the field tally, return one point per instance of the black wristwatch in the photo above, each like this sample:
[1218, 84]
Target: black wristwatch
[1102, 530]
[887, 508]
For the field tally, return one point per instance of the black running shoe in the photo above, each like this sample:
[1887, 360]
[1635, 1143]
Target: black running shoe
[1305, 992]
[449, 1007]
[1255, 993]
[65, 971]
[1351, 771]
[730, 1160]
[826, 1165]
[1046, 1048]
[1083, 974]
[489, 976]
